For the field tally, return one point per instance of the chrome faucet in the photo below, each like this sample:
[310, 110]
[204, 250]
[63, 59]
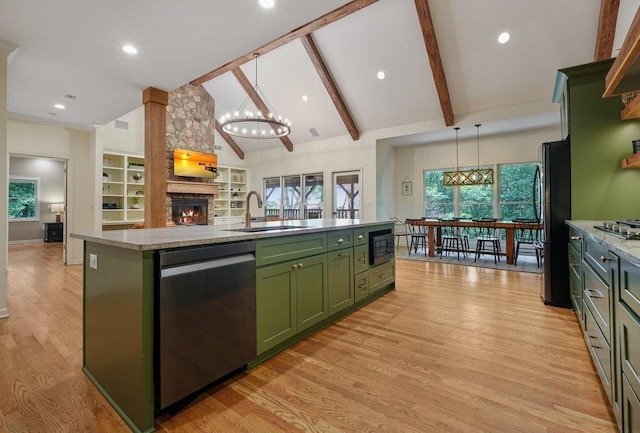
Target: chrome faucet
[247, 217]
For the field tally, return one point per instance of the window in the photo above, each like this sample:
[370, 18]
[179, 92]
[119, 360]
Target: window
[438, 199]
[511, 196]
[476, 201]
[24, 199]
[516, 190]
[295, 196]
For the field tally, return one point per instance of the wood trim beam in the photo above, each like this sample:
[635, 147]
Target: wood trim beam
[226, 137]
[629, 51]
[330, 85]
[606, 29]
[155, 156]
[311, 26]
[251, 91]
[431, 43]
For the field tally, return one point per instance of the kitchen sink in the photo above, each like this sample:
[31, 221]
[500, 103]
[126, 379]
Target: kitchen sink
[264, 229]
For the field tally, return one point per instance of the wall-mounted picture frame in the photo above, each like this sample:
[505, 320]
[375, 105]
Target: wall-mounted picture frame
[407, 187]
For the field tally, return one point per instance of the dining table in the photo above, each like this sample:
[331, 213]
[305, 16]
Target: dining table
[507, 226]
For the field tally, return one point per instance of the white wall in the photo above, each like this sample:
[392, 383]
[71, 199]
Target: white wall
[130, 140]
[75, 146]
[411, 161]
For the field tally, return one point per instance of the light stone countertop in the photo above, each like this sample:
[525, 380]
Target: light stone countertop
[625, 249]
[185, 236]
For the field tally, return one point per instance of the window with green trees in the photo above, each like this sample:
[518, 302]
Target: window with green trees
[516, 190]
[438, 199]
[511, 195]
[23, 199]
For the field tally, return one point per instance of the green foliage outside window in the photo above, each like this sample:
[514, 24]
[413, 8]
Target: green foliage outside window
[514, 184]
[438, 199]
[23, 199]
[516, 191]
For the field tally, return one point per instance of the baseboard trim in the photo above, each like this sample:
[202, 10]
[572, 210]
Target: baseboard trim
[4, 313]
[26, 241]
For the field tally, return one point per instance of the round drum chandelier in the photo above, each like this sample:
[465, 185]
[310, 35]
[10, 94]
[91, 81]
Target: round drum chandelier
[249, 122]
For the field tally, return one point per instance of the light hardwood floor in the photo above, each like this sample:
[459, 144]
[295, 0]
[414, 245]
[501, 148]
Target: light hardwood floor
[453, 348]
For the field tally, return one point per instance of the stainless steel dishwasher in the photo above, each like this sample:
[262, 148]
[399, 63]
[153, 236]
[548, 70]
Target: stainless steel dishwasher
[205, 317]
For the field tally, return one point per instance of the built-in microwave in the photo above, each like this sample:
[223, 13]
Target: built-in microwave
[381, 246]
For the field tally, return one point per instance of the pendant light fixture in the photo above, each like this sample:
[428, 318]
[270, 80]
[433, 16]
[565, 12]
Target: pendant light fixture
[249, 122]
[476, 176]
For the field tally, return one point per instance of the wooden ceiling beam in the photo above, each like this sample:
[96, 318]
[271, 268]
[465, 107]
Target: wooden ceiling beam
[431, 43]
[606, 29]
[260, 104]
[330, 85]
[226, 137]
[311, 26]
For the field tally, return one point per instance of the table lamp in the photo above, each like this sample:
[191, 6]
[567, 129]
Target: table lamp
[57, 208]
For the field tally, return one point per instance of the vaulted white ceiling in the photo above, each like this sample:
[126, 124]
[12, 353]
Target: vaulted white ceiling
[73, 47]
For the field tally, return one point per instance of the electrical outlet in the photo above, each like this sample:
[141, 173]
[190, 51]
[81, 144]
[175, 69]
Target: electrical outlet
[93, 261]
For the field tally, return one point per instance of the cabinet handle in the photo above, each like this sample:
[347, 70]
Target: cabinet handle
[385, 275]
[575, 238]
[295, 266]
[362, 286]
[342, 255]
[605, 259]
[340, 240]
[360, 237]
[300, 265]
[596, 347]
[363, 259]
[595, 293]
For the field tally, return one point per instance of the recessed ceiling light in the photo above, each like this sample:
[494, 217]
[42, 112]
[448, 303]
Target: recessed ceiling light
[60, 106]
[130, 49]
[267, 3]
[305, 98]
[381, 75]
[504, 37]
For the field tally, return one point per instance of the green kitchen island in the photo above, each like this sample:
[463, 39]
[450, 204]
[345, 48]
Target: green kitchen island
[308, 274]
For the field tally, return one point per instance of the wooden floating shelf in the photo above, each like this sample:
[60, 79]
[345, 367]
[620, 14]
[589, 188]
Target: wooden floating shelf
[624, 73]
[632, 161]
[632, 111]
[175, 186]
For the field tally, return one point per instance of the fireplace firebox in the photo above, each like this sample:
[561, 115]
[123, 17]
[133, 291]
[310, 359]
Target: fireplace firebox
[189, 211]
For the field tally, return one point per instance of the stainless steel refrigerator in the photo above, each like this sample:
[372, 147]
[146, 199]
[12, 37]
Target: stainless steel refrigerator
[556, 208]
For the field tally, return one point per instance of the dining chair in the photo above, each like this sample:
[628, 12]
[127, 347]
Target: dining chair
[401, 230]
[487, 239]
[418, 235]
[452, 238]
[528, 236]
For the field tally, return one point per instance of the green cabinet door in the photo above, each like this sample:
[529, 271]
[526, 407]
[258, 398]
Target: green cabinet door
[311, 290]
[361, 285]
[275, 301]
[341, 293]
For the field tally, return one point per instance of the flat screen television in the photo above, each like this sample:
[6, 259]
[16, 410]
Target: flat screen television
[190, 163]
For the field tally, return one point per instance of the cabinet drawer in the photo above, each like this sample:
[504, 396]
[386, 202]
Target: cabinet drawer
[630, 285]
[629, 332]
[270, 251]
[339, 239]
[360, 258]
[361, 285]
[631, 408]
[381, 276]
[597, 255]
[360, 236]
[597, 297]
[599, 349]
[575, 239]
